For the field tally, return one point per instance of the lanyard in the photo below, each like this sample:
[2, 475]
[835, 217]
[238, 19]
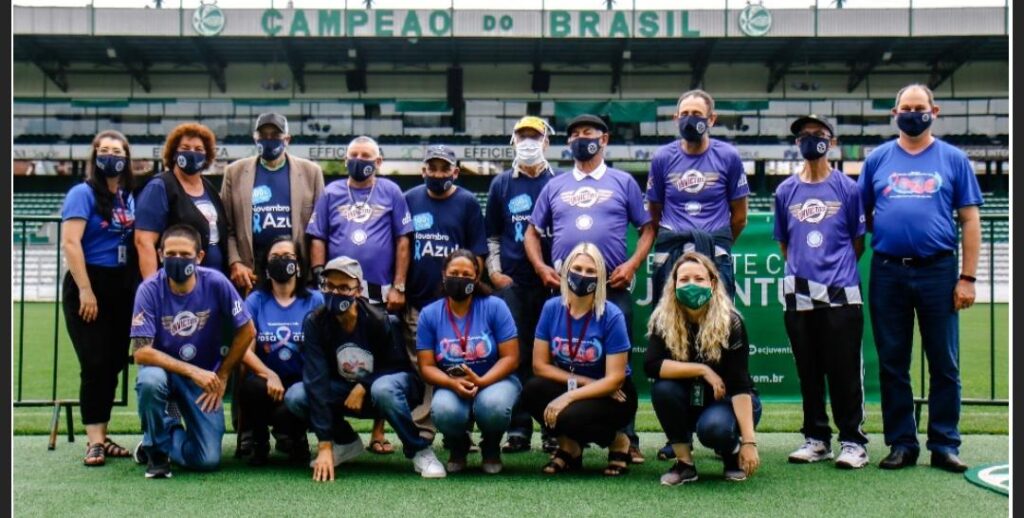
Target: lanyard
[574, 350]
[122, 216]
[463, 337]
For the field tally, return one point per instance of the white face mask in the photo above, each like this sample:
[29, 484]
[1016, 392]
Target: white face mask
[529, 152]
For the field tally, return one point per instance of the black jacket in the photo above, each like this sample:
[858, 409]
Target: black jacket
[181, 209]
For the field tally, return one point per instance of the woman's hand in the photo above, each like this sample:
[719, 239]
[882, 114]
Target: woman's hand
[717, 385]
[555, 408]
[749, 460]
[88, 309]
[464, 388]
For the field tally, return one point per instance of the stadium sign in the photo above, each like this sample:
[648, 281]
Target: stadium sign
[755, 20]
[208, 20]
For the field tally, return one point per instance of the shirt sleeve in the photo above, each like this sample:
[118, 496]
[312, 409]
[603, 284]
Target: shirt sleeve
[541, 215]
[737, 186]
[544, 323]
[638, 215]
[865, 184]
[316, 380]
[401, 218]
[855, 212]
[735, 361]
[966, 191]
[252, 304]
[231, 303]
[781, 233]
[426, 332]
[151, 209]
[501, 323]
[495, 213]
[616, 340]
[476, 239]
[145, 312]
[656, 180]
[77, 205]
[320, 220]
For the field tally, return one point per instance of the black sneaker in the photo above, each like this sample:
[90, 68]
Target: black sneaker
[516, 444]
[139, 454]
[550, 445]
[159, 464]
[260, 454]
[679, 473]
[731, 468]
[299, 451]
[243, 444]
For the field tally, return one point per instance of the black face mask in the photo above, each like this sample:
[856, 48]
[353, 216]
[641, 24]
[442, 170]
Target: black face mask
[914, 123]
[584, 149]
[281, 269]
[582, 285]
[459, 288]
[813, 148]
[692, 127]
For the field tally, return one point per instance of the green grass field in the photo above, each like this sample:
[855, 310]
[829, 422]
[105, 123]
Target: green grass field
[974, 357]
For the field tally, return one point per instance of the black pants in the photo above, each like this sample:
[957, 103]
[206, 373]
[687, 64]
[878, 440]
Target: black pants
[525, 303]
[101, 345]
[826, 345]
[261, 412]
[715, 423]
[587, 421]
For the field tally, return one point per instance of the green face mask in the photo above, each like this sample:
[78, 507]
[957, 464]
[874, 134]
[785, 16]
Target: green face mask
[693, 296]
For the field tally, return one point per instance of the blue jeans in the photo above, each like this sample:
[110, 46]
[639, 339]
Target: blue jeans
[525, 304]
[194, 446]
[390, 397]
[715, 424]
[896, 293]
[491, 409]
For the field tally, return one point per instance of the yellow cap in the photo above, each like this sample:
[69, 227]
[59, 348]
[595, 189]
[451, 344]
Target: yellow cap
[531, 122]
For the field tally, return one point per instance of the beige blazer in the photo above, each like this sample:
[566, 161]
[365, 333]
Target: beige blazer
[307, 184]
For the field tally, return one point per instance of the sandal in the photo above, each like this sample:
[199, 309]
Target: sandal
[568, 463]
[615, 470]
[381, 447]
[94, 455]
[112, 449]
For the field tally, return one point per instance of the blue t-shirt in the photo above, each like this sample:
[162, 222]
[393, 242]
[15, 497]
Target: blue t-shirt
[695, 190]
[598, 210]
[101, 238]
[271, 207]
[279, 335]
[509, 204]
[819, 222]
[364, 228]
[152, 216]
[913, 197]
[439, 228]
[188, 327]
[604, 337]
[491, 324]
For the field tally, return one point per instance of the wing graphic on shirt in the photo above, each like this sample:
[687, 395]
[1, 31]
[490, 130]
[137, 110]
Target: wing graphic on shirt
[361, 213]
[585, 197]
[185, 323]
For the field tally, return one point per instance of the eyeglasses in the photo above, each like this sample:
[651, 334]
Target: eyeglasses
[343, 289]
[818, 134]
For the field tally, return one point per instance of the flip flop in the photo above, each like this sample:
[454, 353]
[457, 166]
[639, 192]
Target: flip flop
[381, 447]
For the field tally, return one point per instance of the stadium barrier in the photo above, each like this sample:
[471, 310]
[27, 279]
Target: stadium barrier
[758, 270]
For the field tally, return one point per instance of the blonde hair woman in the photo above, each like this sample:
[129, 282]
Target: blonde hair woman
[582, 389]
[697, 355]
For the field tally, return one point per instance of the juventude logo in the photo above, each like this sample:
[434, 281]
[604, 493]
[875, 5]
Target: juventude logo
[208, 20]
[755, 20]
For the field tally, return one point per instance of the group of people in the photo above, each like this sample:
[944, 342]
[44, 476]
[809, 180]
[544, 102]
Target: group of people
[319, 304]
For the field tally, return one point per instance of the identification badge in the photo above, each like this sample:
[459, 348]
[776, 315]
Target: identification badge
[122, 255]
[697, 394]
[572, 384]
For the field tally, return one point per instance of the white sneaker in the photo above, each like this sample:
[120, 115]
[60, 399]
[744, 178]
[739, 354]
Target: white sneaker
[852, 456]
[492, 468]
[344, 452]
[812, 450]
[426, 464]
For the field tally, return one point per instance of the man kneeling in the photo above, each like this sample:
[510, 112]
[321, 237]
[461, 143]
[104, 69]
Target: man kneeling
[352, 366]
[183, 371]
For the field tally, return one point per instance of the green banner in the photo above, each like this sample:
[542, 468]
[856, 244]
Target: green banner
[759, 271]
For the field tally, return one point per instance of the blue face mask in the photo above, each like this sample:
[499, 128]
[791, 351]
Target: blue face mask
[581, 285]
[338, 304]
[190, 162]
[439, 185]
[583, 149]
[914, 123]
[270, 148]
[179, 269]
[813, 148]
[693, 127]
[110, 166]
[359, 170]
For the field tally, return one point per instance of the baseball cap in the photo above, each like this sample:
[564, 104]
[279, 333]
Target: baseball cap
[531, 122]
[587, 120]
[274, 119]
[440, 151]
[799, 124]
[345, 265]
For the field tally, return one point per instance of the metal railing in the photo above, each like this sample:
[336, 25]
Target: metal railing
[22, 224]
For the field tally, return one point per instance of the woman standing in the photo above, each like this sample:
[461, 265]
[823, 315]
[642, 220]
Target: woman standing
[697, 355]
[467, 348]
[582, 388]
[98, 220]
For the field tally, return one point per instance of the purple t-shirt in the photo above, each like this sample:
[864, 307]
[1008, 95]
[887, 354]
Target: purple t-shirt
[364, 228]
[490, 325]
[590, 209]
[819, 222]
[695, 190]
[604, 337]
[188, 327]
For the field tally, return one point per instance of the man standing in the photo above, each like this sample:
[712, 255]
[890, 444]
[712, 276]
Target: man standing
[445, 218]
[176, 343]
[910, 187]
[266, 196]
[365, 217]
[512, 197]
[819, 224]
[595, 204]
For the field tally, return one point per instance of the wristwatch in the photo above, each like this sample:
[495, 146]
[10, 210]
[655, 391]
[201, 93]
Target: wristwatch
[968, 278]
[399, 287]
